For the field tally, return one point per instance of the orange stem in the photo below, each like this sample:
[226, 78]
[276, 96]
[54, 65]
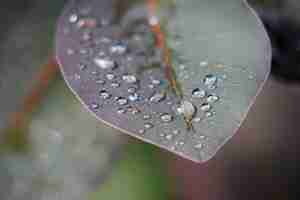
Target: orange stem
[161, 43]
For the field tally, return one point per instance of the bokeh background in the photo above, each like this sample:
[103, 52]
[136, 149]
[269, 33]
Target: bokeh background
[52, 149]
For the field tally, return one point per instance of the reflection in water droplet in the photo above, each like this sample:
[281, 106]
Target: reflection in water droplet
[199, 146]
[198, 93]
[122, 101]
[118, 48]
[148, 126]
[158, 97]
[187, 109]
[166, 118]
[104, 94]
[105, 63]
[110, 76]
[205, 107]
[73, 18]
[133, 97]
[210, 81]
[212, 98]
[129, 78]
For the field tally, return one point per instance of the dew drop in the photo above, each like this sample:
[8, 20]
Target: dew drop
[73, 18]
[146, 117]
[105, 63]
[198, 146]
[148, 126]
[104, 94]
[158, 97]
[166, 118]
[212, 98]
[210, 81]
[205, 107]
[187, 109]
[129, 78]
[118, 48]
[110, 76]
[198, 93]
[122, 101]
[133, 97]
[115, 85]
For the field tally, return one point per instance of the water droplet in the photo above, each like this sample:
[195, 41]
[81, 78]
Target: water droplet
[104, 94]
[169, 137]
[199, 146]
[118, 48]
[210, 81]
[146, 117]
[158, 97]
[133, 97]
[166, 117]
[205, 107]
[212, 98]
[148, 126]
[133, 110]
[176, 132]
[187, 109]
[203, 64]
[73, 18]
[100, 81]
[142, 131]
[122, 101]
[121, 111]
[105, 63]
[110, 76]
[208, 114]
[115, 85]
[129, 78]
[198, 93]
[197, 120]
[82, 67]
[131, 90]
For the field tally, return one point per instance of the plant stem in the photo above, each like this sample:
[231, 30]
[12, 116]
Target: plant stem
[162, 44]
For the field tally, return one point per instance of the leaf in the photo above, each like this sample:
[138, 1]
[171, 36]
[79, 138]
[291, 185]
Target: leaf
[181, 75]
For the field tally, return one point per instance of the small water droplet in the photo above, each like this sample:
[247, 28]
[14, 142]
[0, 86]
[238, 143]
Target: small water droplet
[158, 97]
[169, 137]
[100, 81]
[73, 18]
[197, 120]
[210, 81]
[121, 111]
[104, 94]
[176, 132]
[156, 82]
[203, 64]
[82, 66]
[105, 63]
[199, 146]
[212, 98]
[187, 109]
[115, 85]
[70, 52]
[205, 107]
[129, 78]
[146, 117]
[142, 131]
[198, 93]
[122, 101]
[118, 48]
[166, 118]
[133, 97]
[208, 114]
[110, 76]
[131, 90]
[148, 126]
